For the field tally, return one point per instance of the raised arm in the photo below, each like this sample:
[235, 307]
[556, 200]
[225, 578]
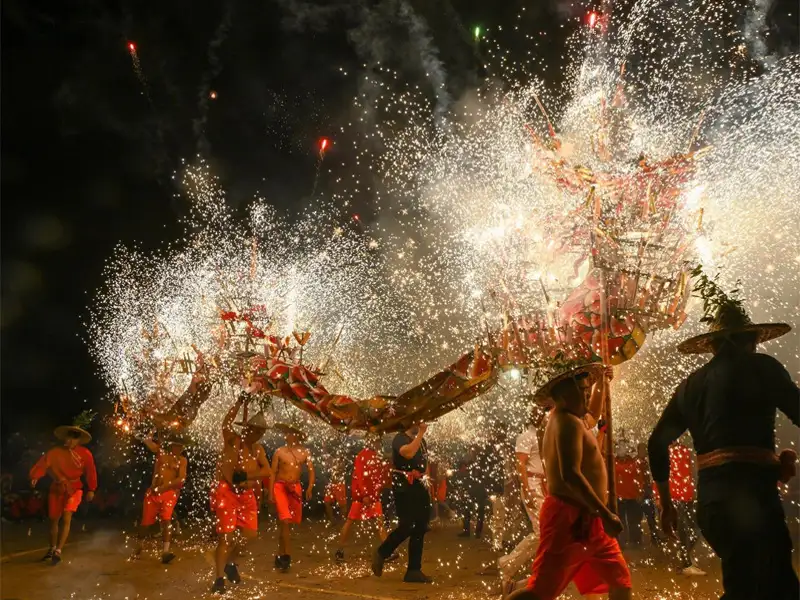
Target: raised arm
[151, 445]
[569, 448]
[227, 423]
[39, 470]
[410, 449]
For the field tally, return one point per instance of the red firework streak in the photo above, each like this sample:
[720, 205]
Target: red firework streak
[323, 146]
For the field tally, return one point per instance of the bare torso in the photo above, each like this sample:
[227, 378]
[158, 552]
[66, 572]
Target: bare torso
[237, 456]
[592, 465]
[167, 469]
[290, 463]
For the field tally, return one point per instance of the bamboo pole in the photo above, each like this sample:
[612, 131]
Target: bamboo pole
[609, 435]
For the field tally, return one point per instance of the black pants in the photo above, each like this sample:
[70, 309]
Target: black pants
[747, 530]
[630, 513]
[413, 504]
[476, 505]
[687, 532]
[649, 509]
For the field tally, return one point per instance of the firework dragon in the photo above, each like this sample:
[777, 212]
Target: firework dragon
[526, 224]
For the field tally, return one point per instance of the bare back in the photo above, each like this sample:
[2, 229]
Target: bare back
[290, 463]
[591, 462]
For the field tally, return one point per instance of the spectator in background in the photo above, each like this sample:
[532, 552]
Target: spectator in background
[630, 495]
[649, 503]
[490, 476]
[471, 500]
[681, 487]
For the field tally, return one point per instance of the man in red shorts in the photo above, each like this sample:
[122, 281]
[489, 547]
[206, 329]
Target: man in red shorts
[576, 528]
[169, 475]
[287, 491]
[370, 476]
[242, 465]
[66, 464]
[336, 490]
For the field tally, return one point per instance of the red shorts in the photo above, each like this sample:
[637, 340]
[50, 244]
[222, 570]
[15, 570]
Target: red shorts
[59, 501]
[234, 508]
[363, 510]
[289, 501]
[158, 505]
[574, 546]
[336, 492]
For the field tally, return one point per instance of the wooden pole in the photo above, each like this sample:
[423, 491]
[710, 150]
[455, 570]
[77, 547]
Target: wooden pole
[609, 435]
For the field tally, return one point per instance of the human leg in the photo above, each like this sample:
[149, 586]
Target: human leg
[483, 502]
[66, 521]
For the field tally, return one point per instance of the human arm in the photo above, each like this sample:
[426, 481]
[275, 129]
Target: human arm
[39, 470]
[151, 445]
[785, 391]
[668, 429]
[522, 473]
[569, 448]
[409, 450]
[228, 434]
[597, 400]
[90, 472]
[263, 469]
[311, 476]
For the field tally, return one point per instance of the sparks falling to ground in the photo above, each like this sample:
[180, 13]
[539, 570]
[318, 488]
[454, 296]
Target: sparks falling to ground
[467, 210]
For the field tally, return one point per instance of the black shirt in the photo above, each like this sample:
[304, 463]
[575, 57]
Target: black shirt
[730, 401]
[418, 462]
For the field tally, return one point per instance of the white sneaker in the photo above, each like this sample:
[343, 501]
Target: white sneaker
[693, 572]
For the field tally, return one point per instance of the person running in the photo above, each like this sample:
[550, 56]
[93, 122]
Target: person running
[576, 527]
[66, 464]
[729, 406]
[410, 461]
[370, 476]
[169, 475]
[242, 465]
[287, 491]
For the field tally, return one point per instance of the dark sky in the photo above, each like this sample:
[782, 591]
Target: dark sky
[89, 147]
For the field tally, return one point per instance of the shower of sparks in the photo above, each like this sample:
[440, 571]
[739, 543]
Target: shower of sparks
[465, 206]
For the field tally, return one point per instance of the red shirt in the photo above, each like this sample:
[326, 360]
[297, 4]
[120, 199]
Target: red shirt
[630, 478]
[62, 463]
[681, 478]
[370, 475]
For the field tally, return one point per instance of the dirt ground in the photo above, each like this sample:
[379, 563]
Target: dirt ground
[95, 567]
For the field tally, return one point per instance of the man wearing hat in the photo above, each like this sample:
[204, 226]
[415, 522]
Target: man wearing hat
[169, 475]
[729, 407]
[287, 491]
[66, 464]
[242, 465]
[576, 527]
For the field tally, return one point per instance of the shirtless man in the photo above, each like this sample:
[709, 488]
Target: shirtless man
[169, 475]
[242, 465]
[576, 527]
[287, 492]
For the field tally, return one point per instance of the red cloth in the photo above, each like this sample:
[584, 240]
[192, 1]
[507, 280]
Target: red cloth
[234, 508]
[289, 501]
[574, 546]
[336, 492]
[35, 506]
[630, 478]
[370, 475]
[361, 511]
[158, 505]
[60, 500]
[681, 478]
[70, 465]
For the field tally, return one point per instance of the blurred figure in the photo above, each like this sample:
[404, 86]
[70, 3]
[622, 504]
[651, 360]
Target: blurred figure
[336, 490]
[474, 495]
[648, 501]
[630, 495]
[729, 406]
[681, 487]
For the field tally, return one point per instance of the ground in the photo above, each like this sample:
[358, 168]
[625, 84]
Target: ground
[95, 568]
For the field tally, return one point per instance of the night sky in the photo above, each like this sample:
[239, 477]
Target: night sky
[89, 149]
